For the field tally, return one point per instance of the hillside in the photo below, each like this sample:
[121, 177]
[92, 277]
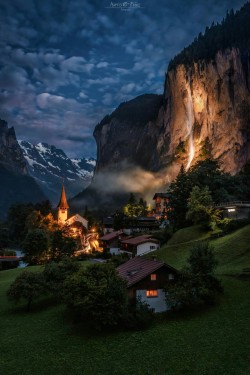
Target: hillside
[232, 251]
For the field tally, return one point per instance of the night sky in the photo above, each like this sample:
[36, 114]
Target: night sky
[66, 64]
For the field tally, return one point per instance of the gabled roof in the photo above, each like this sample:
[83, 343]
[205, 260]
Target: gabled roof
[161, 195]
[111, 236]
[63, 204]
[138, 268]
[77, 218]
[140, 239]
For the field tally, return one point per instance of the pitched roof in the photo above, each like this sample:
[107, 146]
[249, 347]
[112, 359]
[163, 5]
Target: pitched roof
[161, 195]
[110, 236]
[140, 239]
[138, 268]
[63, 204]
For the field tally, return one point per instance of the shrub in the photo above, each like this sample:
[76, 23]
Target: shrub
[28, 286]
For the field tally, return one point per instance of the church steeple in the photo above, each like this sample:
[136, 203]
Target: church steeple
[62, 207]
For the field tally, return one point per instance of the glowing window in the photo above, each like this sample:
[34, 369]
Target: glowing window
[153, 277]
[152, 293]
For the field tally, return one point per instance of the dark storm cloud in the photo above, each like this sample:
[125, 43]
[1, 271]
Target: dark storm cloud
[65, 64]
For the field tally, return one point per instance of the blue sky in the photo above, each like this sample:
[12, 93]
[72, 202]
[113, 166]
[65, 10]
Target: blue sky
[65, 64]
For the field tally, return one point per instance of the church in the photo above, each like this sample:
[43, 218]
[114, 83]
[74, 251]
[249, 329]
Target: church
[76, 225]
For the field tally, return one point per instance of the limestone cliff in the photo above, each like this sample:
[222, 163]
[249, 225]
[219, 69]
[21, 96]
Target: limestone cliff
[207, 111]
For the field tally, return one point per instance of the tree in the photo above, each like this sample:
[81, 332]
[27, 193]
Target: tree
[199, 205]
[28, 286]
[61, 245]
[97, 295]
[35, 246]
[179, 190]
[196, 284]
[55, 274]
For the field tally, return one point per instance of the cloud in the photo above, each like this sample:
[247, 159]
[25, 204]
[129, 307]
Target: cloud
[128, 88]
[102, 64]
[77, 64]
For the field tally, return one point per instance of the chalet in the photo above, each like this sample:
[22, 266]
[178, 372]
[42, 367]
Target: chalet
[235, 210]
[107, 224]
[147, 280]
[139, 245]
[112, 241]
[141, 224]
[161, 204]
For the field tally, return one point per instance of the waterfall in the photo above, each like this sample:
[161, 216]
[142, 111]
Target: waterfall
[189, 125]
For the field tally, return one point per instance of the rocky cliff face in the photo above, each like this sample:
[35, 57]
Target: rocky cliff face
[126, 137]
[207, 111]
[11, 155]
[16, 185]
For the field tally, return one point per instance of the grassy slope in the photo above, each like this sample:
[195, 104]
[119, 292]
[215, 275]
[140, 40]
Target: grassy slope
[232, 251]
[215, 341]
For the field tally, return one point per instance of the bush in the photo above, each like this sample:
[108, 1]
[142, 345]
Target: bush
[196, 284]
[28, 286]
[55, 274]
[139, 316]
[97, 295]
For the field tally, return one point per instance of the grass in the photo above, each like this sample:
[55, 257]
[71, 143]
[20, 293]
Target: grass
[215, 341]
[231, 251]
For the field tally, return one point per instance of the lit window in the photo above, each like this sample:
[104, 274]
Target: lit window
[152, 293]
[153, 277]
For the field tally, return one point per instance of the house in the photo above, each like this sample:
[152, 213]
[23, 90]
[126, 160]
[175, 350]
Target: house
[141, 224]
[112, 241]
[161, 204]
[139, 245]
[235, 210]
[147, 280]
[107, 224]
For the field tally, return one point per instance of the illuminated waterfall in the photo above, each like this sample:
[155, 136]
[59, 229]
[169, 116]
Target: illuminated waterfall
[189, 124]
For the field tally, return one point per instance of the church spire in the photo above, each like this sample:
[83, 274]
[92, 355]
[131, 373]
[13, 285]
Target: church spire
[63, 204]
[62, 207]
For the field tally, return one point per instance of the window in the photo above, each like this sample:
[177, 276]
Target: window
[152, 293]
[171, 276]
[153, 277]
[152, 247]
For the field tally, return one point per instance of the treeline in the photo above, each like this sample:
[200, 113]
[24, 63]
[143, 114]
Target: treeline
[197, 191]
[233, 31]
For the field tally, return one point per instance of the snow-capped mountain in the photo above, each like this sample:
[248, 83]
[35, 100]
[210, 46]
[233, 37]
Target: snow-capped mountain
[50, 166]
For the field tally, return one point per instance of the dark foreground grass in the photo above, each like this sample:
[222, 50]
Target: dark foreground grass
[212, 342]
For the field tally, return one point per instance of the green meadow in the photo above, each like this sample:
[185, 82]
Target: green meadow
[211, 341]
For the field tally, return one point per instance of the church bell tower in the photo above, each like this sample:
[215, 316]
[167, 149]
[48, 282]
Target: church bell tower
[62, 208]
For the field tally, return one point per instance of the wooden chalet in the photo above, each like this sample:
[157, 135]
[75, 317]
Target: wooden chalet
[140, 245]
[147, 280]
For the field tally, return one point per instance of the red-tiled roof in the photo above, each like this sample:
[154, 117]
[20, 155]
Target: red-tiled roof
[111, 236]
[140, 239]
[138, 268]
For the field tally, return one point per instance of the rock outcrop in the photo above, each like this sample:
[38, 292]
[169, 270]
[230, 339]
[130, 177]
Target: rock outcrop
[16, 185]
[11, 155]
